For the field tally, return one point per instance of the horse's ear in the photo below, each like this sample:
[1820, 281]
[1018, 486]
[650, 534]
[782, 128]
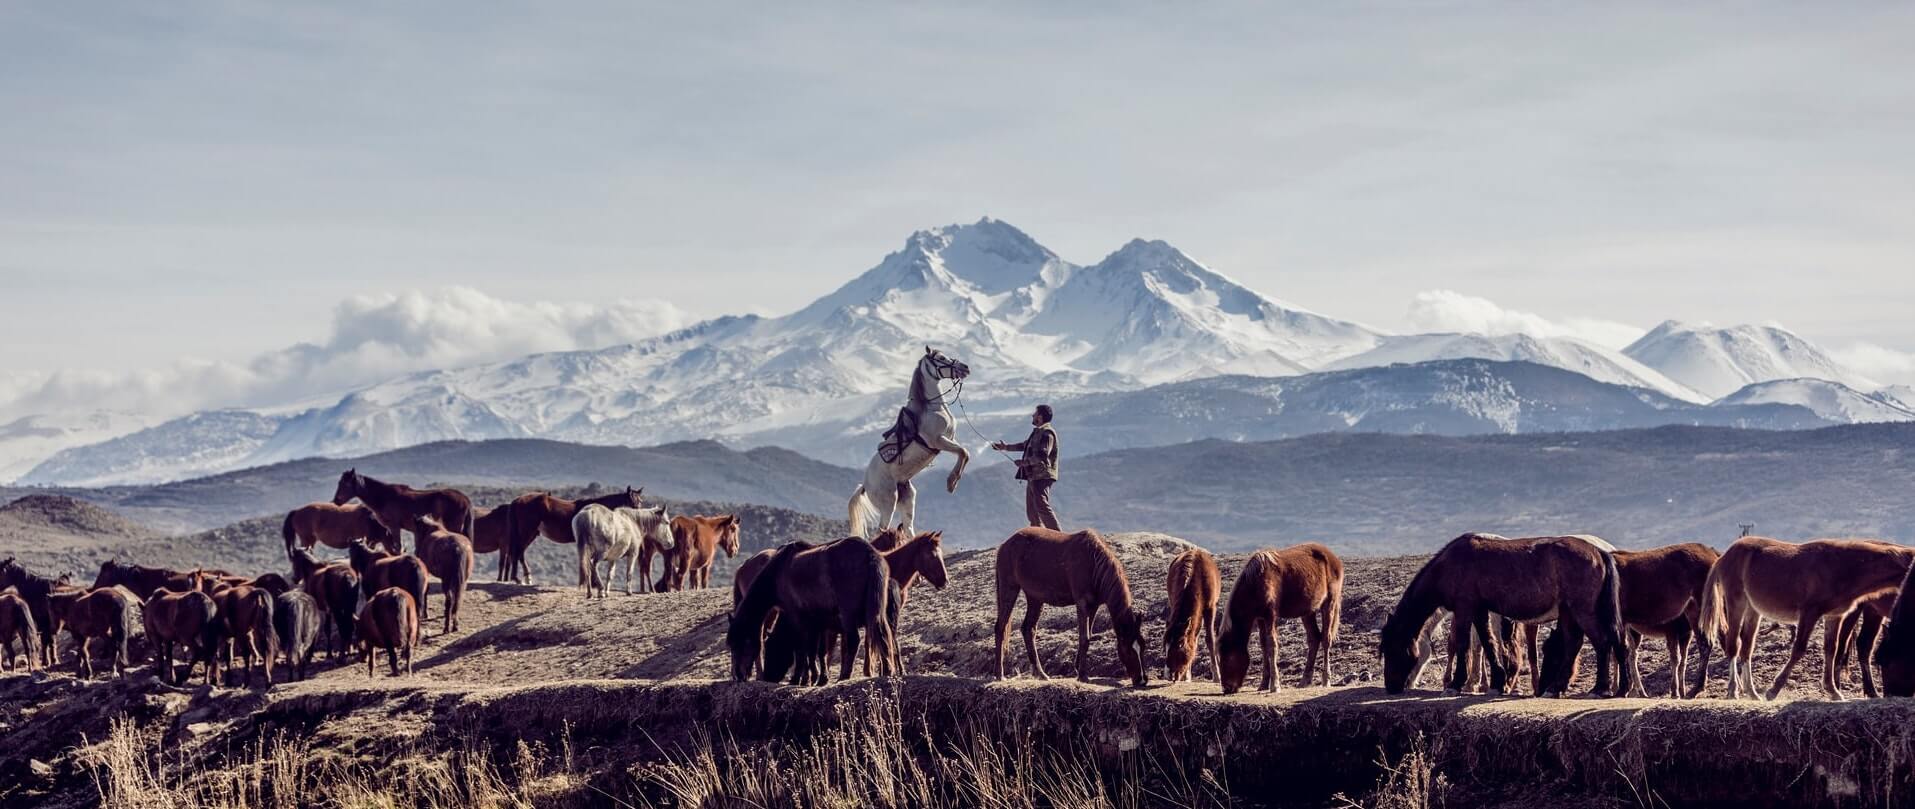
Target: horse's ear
[928, 352]
[936, 537]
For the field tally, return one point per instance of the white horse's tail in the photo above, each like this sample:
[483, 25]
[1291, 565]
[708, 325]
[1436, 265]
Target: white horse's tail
[860, 512]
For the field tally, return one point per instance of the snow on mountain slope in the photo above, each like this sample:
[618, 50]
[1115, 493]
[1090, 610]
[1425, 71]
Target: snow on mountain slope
[189, 446]
[27, 440]
[1719, 361]
[1902, 396]
[1567, 353]
[1834, 401]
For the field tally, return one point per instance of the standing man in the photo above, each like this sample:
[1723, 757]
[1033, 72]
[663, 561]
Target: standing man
[1038, 467]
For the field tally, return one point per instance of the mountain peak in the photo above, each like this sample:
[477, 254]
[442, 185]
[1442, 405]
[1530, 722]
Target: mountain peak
[992, 255]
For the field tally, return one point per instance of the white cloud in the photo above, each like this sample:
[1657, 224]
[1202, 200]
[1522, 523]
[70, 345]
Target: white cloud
[1877, 362]
[373, 338]
[1443, 310]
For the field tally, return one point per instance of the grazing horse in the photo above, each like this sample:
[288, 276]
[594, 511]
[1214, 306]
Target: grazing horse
[335, 526]
[492, 533]
[397, 505]
[611, 535]
[925, 428]
[377, 571]
[246, 613]
[1193, 584]
[1527, 580]
[103, 613]
[1303, 581]
[695, 544]
[296, 624]
[540, 514]
[16, 620]
[1662, 592]
[1052, 568]
[37, 591]
[447, 556]
[1896, 654]
[190, 619]
[842, 584]
[746, 573]
[390, 621]
[1759, 577]
[335, 589]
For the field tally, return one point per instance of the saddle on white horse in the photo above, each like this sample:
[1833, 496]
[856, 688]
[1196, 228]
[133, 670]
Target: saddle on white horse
[903, 433]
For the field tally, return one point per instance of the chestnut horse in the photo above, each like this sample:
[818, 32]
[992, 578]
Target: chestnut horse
[1896, 654]
[1799, 585]
[396, 505]
[1662, 592]
[16, 620]
[1302, 581]
[695, 544]
[105, 613]
[539, 514]
[390, 621]
[246, 614]
[36, 590]
[335, 526]
[296, 619]
[908, 559]
[189, 619]
[447, 556]
[1193, 584]
[1052, 568]
[842, 584]
[334, 588]
[1869, 616]
[378, 570]
[1526, 580]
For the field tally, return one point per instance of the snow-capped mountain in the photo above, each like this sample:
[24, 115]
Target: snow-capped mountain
[1719, 361]
[1567, 353]
[1834, 401]
[28, 440]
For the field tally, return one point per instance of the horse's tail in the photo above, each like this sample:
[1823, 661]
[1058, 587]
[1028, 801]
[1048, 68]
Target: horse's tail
[860, 512]
[1332, 614]
[877, 609]
[1609, 603]
[471, 519]
[286, 532]
[586, 570]
[122, 635]
[1714, 596]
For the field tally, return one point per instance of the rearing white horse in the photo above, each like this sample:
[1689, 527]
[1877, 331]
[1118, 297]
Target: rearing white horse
[887, 484]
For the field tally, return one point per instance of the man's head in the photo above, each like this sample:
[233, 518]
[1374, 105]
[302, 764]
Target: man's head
[1041, 416]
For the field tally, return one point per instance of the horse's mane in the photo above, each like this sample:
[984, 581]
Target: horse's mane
[1107, 574]
[1183, 611]
[1414, 602]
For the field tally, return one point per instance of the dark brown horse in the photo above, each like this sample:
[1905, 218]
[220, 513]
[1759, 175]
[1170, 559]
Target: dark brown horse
[246, 615]
[335, 526]
[1800, 585]
[492, 533]
[334, 589]
[296, 619]
[1526, 580]
[106, 613]
[1052, 568]
[695, 545]
[189, 619]
[378, 570]
[746, 573]
[16, 621]
[842, 585]
[145, 581]
[909, 559]
[35, 590]
[1193, 584]
[539, 514]
[1662, 592]
[389, 621]
[397, 505]
[1303, 581]
[447, 556]
[1896, 654]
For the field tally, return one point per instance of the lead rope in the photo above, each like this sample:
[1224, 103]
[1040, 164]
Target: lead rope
[957, 398]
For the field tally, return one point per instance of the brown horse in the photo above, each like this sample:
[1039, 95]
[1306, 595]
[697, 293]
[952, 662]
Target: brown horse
[1526, 580]
[296, 618]
[1662, 592]
[695, 544]
[1799, 585]
[105, 613]
[378, 570]
[842, 586]
[396, 505]
[1869, 616]
[1193, 584]
[908, 559]
[650, 546]
[539, 514]
[334, 589]
[448, 556]
[492, 533]
[246, 616]
[16, 620]
[1052, 568]
[389, 621]
[746, 573]
[144, 581]
[189, 619]
[335, 526]
[37, 591]
[1303, 581]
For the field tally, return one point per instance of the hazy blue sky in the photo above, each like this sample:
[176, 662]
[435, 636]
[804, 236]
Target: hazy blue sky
[211, 180]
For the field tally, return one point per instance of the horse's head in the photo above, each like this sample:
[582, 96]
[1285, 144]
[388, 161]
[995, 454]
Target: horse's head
[632, 498]
[348, 487]
[1128, 624]
[889, 539]
[743, 637]
[931, 559]
[304, 563]
[1233, 656]
[1399, 652]
[943, 367]
[378, 534]
[110, 574]
[728, 535]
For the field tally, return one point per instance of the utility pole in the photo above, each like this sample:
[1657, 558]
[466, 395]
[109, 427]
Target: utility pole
[1747, 529]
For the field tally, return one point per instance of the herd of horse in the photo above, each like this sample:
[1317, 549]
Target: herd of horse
[793, 605]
